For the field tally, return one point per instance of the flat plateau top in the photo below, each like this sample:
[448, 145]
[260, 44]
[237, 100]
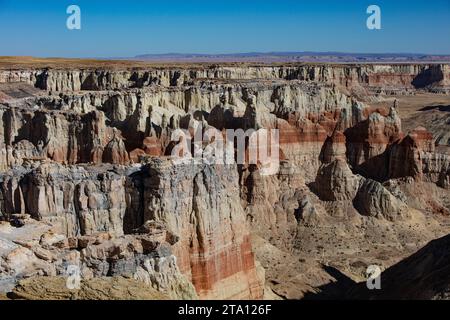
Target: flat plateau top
[17, 63]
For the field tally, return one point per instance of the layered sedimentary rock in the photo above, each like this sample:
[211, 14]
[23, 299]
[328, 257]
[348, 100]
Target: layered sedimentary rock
[137, 123]
[372, 199]
[387, 78]
[65, 138]
[93, 154]
[335, 181]
[201, 205]
[32, 249]
[369, 140]
[80, 201]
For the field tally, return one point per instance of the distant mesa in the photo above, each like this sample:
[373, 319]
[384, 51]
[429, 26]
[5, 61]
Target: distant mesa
[301, 56]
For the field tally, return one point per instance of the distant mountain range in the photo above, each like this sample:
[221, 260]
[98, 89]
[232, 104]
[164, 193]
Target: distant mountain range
[334, 57]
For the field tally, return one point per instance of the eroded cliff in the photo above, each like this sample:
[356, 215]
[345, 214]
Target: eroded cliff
[88, 153]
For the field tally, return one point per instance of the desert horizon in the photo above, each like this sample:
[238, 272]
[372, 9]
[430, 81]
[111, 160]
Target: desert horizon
[283, 170]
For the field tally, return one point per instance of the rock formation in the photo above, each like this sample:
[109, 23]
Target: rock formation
[90, 176]
[34, 249]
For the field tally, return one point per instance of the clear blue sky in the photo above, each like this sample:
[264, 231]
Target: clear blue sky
[128, 28]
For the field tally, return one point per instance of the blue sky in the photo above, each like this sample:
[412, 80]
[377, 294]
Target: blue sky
[133, 27]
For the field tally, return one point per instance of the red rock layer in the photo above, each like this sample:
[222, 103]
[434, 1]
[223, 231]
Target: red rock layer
[423, 138]
[227, 273]
[201, 205]
[405, 158]
[151, 146]
[61, 137]
[390, 79]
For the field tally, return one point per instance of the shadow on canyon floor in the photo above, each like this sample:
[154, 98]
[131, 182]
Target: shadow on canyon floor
[422, 276]
[441, 108]
[334, 290]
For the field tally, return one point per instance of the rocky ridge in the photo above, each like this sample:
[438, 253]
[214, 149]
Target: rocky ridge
[86, 154]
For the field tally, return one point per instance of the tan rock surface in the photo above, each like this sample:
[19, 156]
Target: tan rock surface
[55, 288]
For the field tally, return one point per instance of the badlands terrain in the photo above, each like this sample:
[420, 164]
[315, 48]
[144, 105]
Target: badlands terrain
[87, 181]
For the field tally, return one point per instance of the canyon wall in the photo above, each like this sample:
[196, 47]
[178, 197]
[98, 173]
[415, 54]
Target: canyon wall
[88, 152]
[377, 78]
[199, 205]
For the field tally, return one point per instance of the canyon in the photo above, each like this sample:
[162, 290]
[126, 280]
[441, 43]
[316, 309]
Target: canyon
[87, 177]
